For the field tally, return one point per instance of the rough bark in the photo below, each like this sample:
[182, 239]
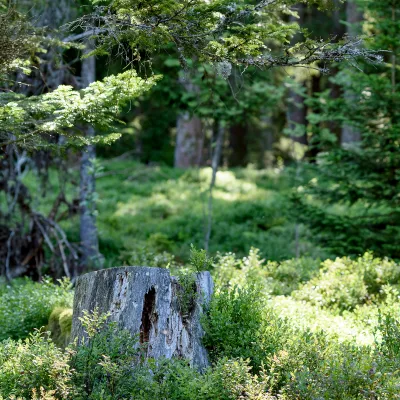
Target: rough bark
[189, 141]
[90, 255]
[145, 301]
[189, 133]
[354, 17]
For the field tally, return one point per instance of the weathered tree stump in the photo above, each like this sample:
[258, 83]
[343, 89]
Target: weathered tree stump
[145, 301]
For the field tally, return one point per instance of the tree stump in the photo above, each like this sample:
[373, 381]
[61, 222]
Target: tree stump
[145, 301]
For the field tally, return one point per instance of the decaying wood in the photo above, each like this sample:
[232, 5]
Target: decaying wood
[145, 301]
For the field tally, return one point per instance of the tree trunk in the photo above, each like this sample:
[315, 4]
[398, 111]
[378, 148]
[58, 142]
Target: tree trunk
[336, 91]
[189, 141]
[238, 140]
[354, 17]
[189, 133]
[90, 256]
[297, 110]
[267, 141]
[216, 158]
[146, 302]
[297, 115]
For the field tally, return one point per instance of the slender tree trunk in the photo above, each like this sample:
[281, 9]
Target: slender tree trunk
[297, 110]
[297, 115]
[336, 91]
[267, 141]
[354, 17]
[394, 55]
[90, 256]
[216, 158]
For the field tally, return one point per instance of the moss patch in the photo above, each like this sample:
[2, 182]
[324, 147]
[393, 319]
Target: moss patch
[60, 324]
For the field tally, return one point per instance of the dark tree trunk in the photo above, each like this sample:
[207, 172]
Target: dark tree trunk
[238, 140]
[90, 256]
[336, 91]
[354, 17]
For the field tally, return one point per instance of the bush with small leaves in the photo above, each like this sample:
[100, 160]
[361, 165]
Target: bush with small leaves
[34, 364]
[344, 283]
[240, 324]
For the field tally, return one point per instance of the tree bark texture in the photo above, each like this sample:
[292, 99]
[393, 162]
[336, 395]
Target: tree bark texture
[189, 141]
[145, 301]
[189, 132]
[90, 255]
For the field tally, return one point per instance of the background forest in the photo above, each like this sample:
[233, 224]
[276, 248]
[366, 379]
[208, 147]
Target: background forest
[264, 132]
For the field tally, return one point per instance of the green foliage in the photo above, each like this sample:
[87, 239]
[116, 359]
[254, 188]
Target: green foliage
[109, 366]
[65, 108]
[360, 179]
[244, 335]
[239, 324]
[278, 278]
[345, 283]
[186, 293]
[157, 212]
[27, 305]
[33, 364]
[187, 288]
[103, 364]
[219, 32]
[199, 260]
[288, 275]
[19, 40]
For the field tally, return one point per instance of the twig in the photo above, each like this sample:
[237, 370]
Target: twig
[215, 163]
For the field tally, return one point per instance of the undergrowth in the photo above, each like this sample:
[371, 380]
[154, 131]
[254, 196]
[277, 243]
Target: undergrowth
[296, 329]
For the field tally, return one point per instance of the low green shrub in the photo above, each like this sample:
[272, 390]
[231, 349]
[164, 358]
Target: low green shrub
[240, 325]
[32, 364]
[304, 316]
[110, 366]
[103, 364]
[244, 337]
[287, 276]
[279, 278]
[26, 305]
[175, 380]
[344, 283]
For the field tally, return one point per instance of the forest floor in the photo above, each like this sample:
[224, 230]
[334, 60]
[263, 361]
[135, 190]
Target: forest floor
[321, 329]
[162, 209]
